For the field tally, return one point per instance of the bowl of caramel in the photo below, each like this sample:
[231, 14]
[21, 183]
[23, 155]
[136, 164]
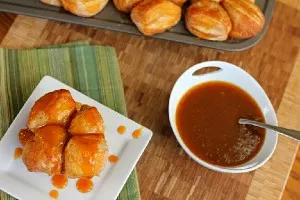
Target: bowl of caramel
[204, 108]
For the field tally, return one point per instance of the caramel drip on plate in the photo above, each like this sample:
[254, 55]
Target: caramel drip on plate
[137, 133]
[113, 158]
[59, 181]
[53, 194]
[18, 153]
[121, 130]
[84, 185]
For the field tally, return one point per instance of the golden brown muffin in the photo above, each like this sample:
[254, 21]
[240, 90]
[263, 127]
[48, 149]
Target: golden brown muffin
[208, 20]
[125, 5]
[43, 152]
[53, 108]
[246, 17]
[25, 135]
[52, 2]
[155, 16]
[87, 120]
[84, 8]
[85, 156]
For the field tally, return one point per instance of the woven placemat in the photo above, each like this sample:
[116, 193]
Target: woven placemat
[92, 70]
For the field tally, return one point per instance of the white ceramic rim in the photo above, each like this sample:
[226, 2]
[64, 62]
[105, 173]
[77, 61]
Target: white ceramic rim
[222, 65]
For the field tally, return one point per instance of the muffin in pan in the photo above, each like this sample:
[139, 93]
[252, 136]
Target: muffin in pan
[246, 17]
[155, 16]
[125, 5]
[84, 8]
[208, 20]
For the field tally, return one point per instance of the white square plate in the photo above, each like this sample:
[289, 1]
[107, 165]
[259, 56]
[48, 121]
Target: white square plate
[18, 182]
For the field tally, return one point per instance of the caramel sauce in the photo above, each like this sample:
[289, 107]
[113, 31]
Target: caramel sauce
[113, 158]
[52, 134]
[207, 121]
[137, 133]
[53, 194]
[24, 136]
[59, 181]
[84, 185]
[18, 153]
[90, 146]
[87, 166]
[89, 115]
[121, 130]
[88, 143]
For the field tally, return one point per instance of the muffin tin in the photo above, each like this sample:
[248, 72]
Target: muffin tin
[112, 19]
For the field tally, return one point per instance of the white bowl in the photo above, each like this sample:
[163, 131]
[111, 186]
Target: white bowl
[229, 73]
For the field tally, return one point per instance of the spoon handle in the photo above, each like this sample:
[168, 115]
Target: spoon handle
[288, 132]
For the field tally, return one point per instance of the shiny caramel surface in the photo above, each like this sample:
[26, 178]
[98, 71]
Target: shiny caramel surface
[59, 181]
[89, 147]
[113, 159]
[85, 155]
[137, 133]
[44, 152]
[53, 108]
[52, 134]
[18, 153]
[207, 121]
[53, 194]
[87, 121]
[121, 130]
[84, 185]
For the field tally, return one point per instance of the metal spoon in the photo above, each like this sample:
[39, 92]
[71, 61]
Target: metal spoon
[284, 131]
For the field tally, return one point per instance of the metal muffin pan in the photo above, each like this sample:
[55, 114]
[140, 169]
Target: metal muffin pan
[112, 19]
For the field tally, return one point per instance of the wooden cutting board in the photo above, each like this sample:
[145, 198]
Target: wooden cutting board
[149, 69]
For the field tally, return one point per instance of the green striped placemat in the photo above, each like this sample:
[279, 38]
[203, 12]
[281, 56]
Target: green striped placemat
[92, 70]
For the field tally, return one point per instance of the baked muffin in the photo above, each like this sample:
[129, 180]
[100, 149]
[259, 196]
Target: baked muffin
[87, 120]
[246, 17]
[208, 20]
[52, 2]
[125, 5]
[85, 155]
[155, 16]
[84, 8]
[43, 152]
[53, 108]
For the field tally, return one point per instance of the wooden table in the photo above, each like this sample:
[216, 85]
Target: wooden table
[149, 69]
